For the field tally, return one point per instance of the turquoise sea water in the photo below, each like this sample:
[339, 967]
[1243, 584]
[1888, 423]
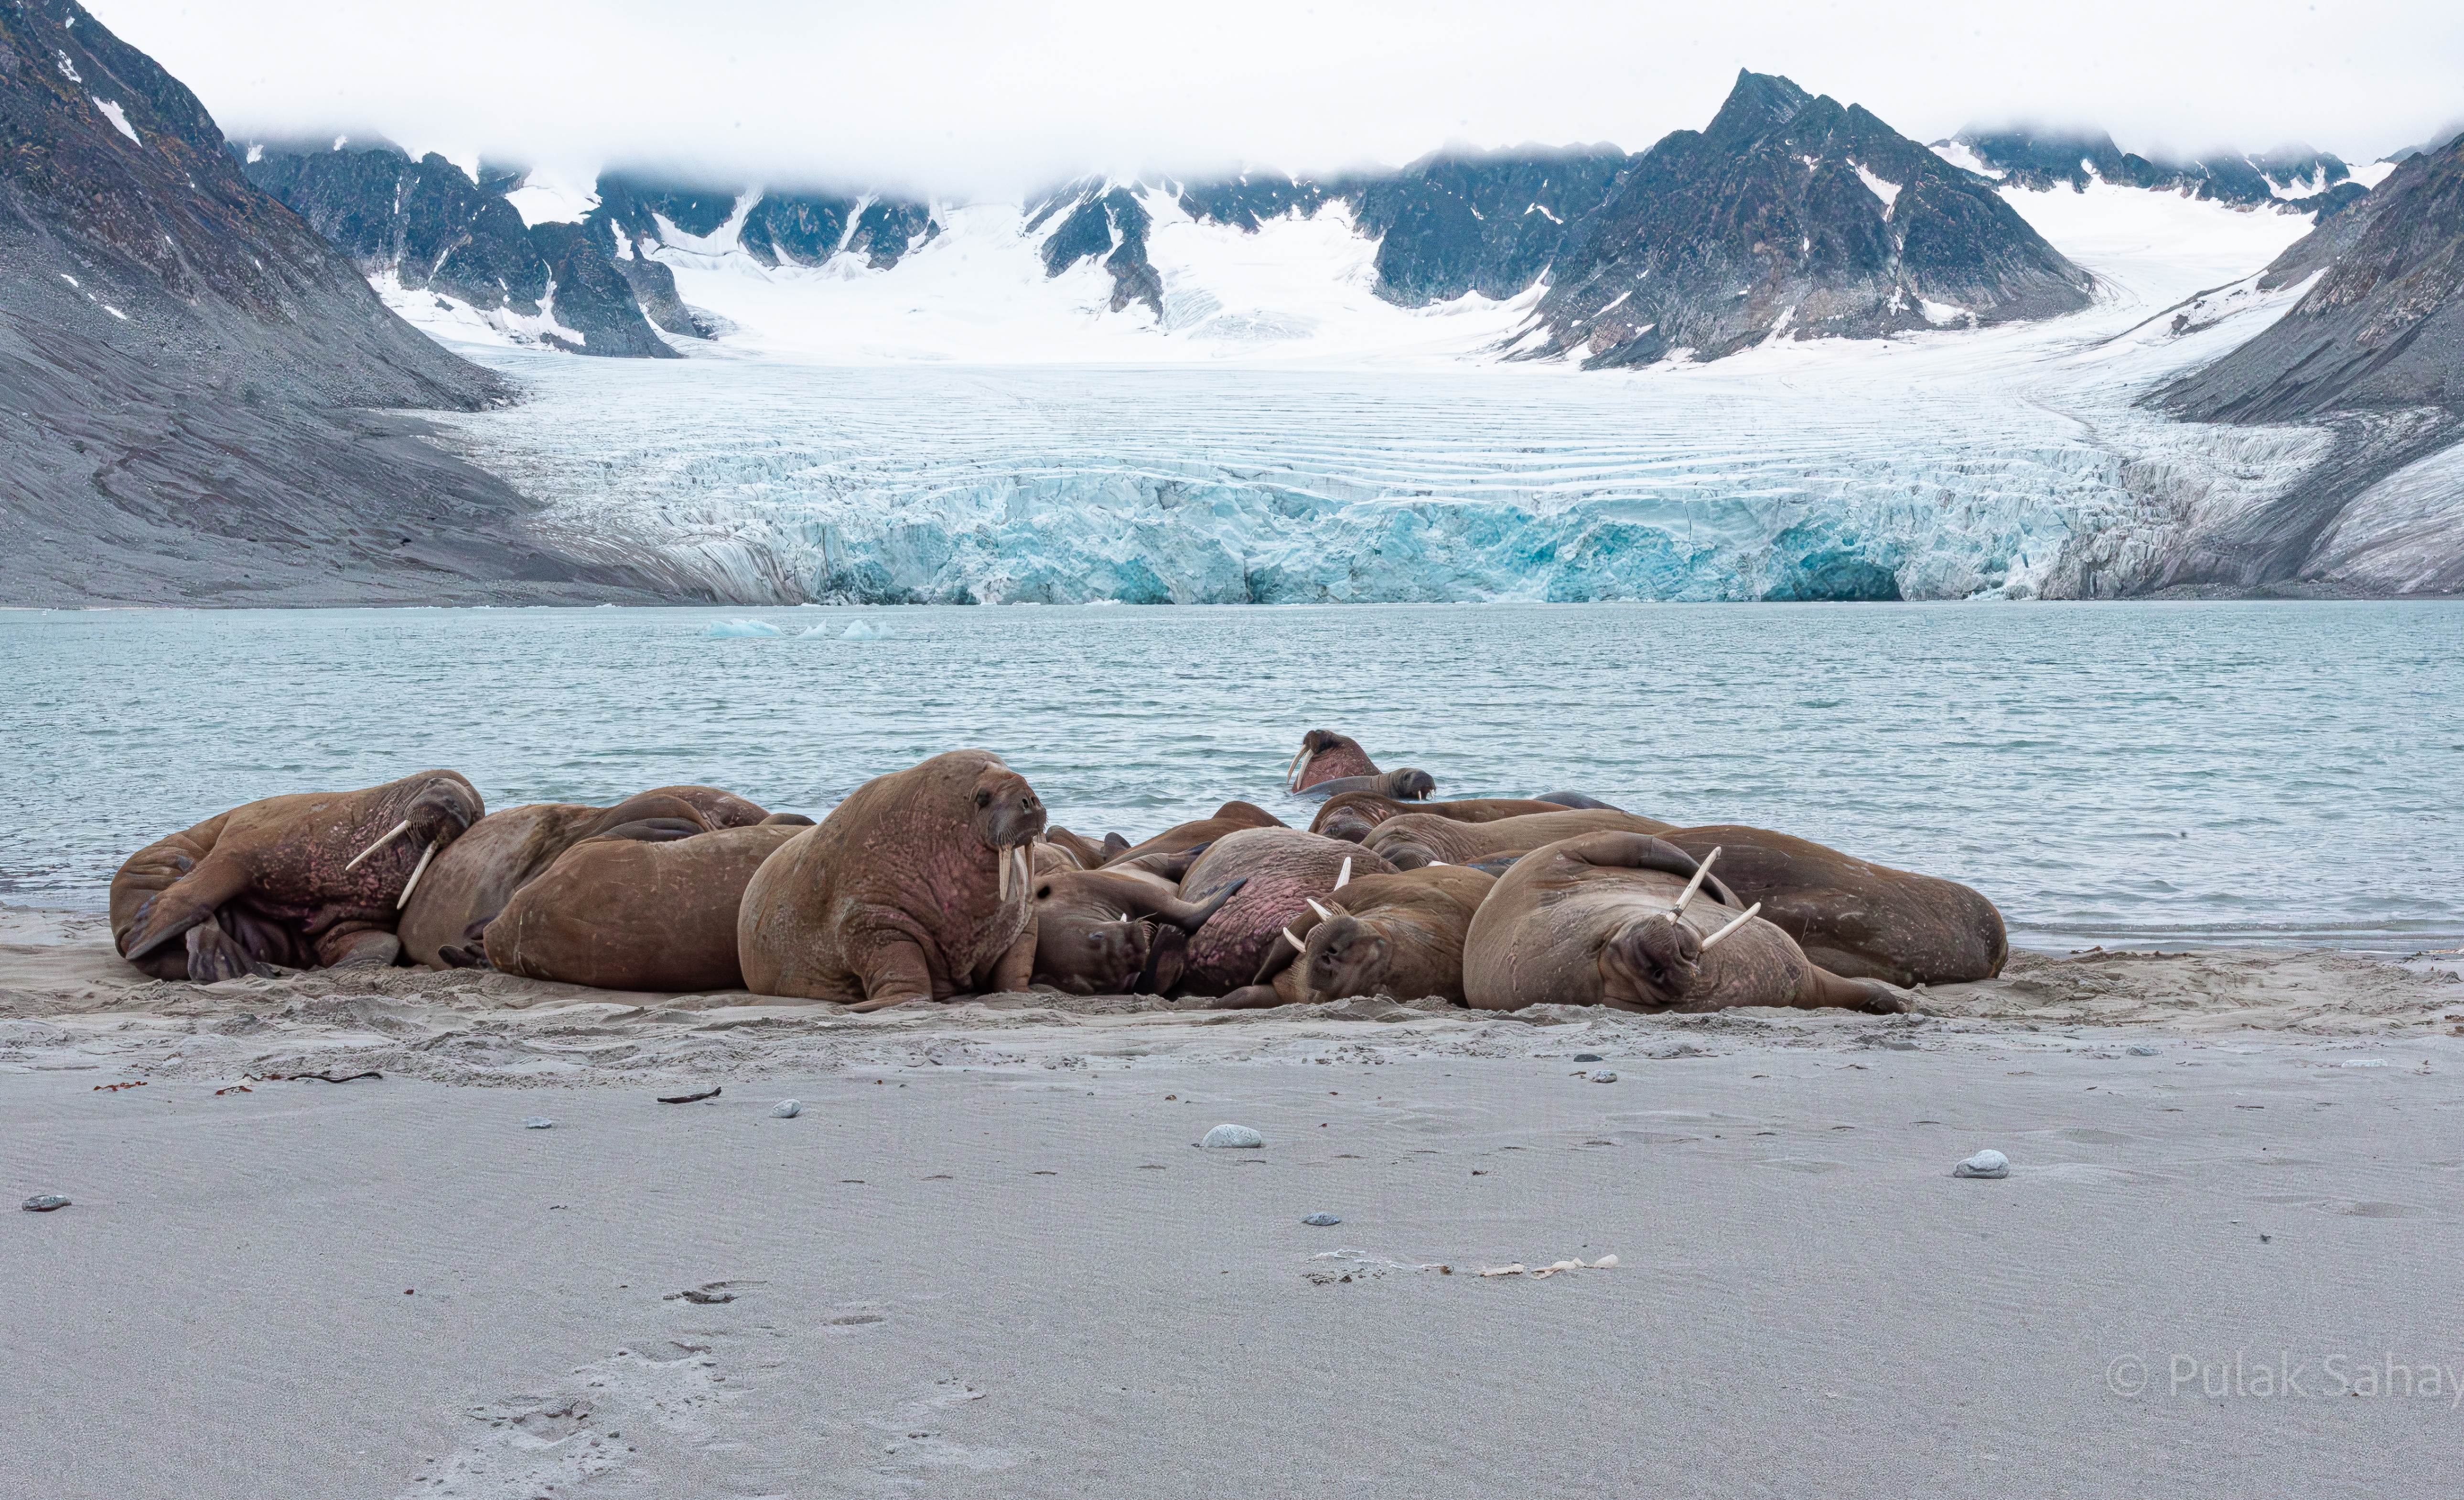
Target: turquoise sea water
[2167, 772]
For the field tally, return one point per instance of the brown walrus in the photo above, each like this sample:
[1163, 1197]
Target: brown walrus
[1325, 756]
[634, 910]
[1351, 815]
[307, 880]
[1399, 935]
[1854, 917]
[1282, 868]
[1594, 920]
[1404, 785]
[471, 881]
[1230, 818]
[914, 888]
[1112, 932]
[1413, 839]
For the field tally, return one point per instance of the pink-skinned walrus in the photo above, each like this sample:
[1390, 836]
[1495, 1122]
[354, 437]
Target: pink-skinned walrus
[914, 888]
[310, 880]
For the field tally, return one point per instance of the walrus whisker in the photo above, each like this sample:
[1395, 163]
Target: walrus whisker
[416, 871]
[1323, 914]
[1343, 876]
[1701, 871]
[1743, 917]
[390, 834]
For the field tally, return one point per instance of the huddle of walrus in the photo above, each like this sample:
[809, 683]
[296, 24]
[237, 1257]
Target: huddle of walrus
[947, 879]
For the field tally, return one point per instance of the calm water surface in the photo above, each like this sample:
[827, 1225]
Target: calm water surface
[2176, 772]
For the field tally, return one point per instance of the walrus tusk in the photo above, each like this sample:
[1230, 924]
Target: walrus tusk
[390, 834]
[1743, 917]
[1323, 914]
[1025, 874]
[1696, 884]
[1005, 863]
[416, 871]
[1298, 946]
[1299, 768]
[1343, 876]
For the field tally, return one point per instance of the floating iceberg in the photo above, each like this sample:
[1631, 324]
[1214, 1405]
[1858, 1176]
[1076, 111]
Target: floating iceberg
[740, 630]
[865, 631]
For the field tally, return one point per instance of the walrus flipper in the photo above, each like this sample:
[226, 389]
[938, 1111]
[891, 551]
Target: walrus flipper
[1615, 849]
[1136, 895]
[215, 955]
[652, 831]
[183, 904]
[1170, 864]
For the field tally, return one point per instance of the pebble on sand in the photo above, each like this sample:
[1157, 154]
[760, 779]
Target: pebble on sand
[2142, 1049]
[1604, 1076]
[1236, 1137]
[538, 1122]
[786, 1109]
[1588, 1057]
[45, 1202]
[1321, 1221]
[1985, 1163]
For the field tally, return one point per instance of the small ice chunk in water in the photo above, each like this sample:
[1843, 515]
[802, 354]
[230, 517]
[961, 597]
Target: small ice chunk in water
[865, 631]
[1985, 1163]
[786, 1109]
[538, 1122]
[740, 629]
[1235, 1137]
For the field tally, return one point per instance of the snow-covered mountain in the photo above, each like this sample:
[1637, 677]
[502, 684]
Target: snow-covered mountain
[191, 382]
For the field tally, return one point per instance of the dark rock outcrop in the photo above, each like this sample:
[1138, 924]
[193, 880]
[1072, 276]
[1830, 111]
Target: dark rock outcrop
[1093, 220]
[1794, 215]
[198, 396]
[2041, 160]
[1477, 221]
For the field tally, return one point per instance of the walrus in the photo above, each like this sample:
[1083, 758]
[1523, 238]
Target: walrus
[1112, 932]
[1404, 785]
[1283, 867]
[1084, 853]
[1631, 921]
[914, 888]
[634, 909]
[1229, 818]
[1399, 935]
[313, 879]
[1576, 799]
[1413, 839]
[471, 881]
[1325, 756]
[1351, 815]
[1854, 917]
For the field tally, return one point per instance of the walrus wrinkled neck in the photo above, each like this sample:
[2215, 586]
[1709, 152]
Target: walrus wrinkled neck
[1651, 961]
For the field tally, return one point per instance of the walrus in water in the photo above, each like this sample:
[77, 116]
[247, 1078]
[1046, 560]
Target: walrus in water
[914, 888]
[1114, 931]
[1351, 815]
[1230, 818]
[1413, 839]
[1854, 917]
[1404, 785]
[1325, 756]
[1628, 920]
[636, 908]
[307, 880]
[1399, 935]
[471, 882]
[1282, 868]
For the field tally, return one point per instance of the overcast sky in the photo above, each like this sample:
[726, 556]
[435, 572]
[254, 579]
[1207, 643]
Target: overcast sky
[969, 97]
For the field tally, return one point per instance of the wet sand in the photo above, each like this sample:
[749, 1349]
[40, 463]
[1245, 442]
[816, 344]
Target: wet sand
[987, 1259]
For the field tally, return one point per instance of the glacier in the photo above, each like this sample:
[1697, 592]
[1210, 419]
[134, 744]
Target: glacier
[961, 429]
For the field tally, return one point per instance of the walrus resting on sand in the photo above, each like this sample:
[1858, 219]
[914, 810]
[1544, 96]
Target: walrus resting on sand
[308, 880]
[1282, 868]
[637, 908]
[1854, 917]
[1628, 920]
[1413, 839]
[444, 923]
[1114, 931]
[914, 888]
[1399, 935]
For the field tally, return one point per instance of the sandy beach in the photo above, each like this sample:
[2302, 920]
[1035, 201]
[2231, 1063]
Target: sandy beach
[985, 1258]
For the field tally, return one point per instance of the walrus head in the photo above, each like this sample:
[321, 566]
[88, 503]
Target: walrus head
[1653, 961]
[1324, 756]
[1009, 818]
[441, 810]
[1405, 854]
[1410, 785]
[1086, 958]
[1343, 956]
[1351, 824]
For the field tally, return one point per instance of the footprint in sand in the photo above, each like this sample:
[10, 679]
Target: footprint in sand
[593, 1425]
[915, 1442]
